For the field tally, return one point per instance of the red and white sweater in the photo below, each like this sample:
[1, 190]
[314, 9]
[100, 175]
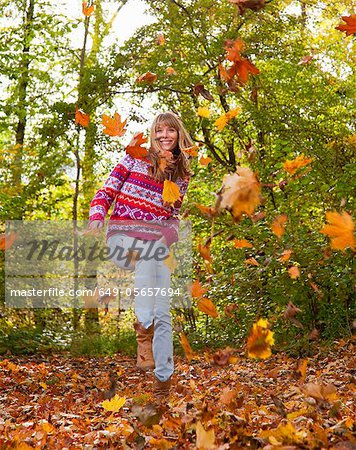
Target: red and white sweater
[139, 209]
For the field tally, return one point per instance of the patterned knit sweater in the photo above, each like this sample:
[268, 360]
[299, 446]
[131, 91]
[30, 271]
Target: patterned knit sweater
[139, 209]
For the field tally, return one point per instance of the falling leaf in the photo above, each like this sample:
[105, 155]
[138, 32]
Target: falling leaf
[197, 289]
[207, 306]
[87, 10]
[242, 243]
[204, 251]
[251, 262]
[147, 77]
[200, 89]
[206, 210]
[113, 126]
[294, 272]
[115, 404]
[229, 309]
[135, 148]
[291, 166]
[279, 224]
[340, 230]
[191, 151]
[222, 357]
[171, 261]
[349, 27]
[186, 347]
[305, 60]
[302, 369]
[290, 313]
[260, 340]
[171, 192]
[228, 395]
[316, 289]
[240, 193]
[149, 415]
[160, 39]
[7, 240]
[203, 111]
[81, 118]
[286, 254]
[170, 71]
[254, 5]
[204, 161]
[313, 335]
[205, 439]
[224, 119]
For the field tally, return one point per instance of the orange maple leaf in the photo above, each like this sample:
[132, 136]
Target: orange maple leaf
[135, 148]
[206, 210]
[204, 251]
[171, 192]
[197, 289]
[170, 71]
[350, 26]
[87, 10]
[147, 77]
[286, 254]
[279, 224]
[204, 161]
[186, 347]
[260, 340]
[207, 306]
[81, 118]
[340, 230]
[291, 166]
[234, 49]
[191, 151]
[242, 243]
[114, 126]
[240, 193]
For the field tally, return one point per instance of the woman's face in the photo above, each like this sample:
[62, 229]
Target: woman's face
[167, 137]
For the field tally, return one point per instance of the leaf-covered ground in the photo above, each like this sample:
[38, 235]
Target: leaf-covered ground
[280, 403]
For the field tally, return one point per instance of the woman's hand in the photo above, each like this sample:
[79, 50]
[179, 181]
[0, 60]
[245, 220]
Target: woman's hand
[94, 227]
[163, 240]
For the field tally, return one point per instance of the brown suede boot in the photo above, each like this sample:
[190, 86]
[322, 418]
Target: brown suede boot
[144, 338]
[161, 388]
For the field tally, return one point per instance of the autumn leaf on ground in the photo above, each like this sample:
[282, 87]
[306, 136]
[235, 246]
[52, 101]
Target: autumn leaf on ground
[254, 5]
[197, 289]
[242, 243]
[115, 404]
[240, 193]
[285, 433]
[203, 111]
[291, 166]
[205, 439]
[279, 224]
[7, 240]
[340, 230]
[87, 10]
[349, 26]
[260, 340]
[135, 148]
[147, 77]
[290, 313]
[171, 192]
[113, 125]
[286, 254]
[294, 272]
[204, 160]
[224, 119]
[81, 118]
[320, 392]
[186, 347]
[148, 415]
[207, 306]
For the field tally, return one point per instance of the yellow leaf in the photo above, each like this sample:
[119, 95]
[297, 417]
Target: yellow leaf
[207, 306]
[186, 347]
[260, 340]
[171, 192]
[171, 261]
[203, 111]
[224, 119]
[279, 224]
[340, 230]
[115, 404]
[47, 427]
[44, 385]
[205, 439]
[292, 166]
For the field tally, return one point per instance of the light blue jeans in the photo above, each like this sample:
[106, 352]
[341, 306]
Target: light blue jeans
[150, 272]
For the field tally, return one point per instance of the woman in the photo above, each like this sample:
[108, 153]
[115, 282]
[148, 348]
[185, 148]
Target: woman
[140, 216]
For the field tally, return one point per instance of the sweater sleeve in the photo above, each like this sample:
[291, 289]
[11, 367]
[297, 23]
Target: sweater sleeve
[171, 231]
[105, 196]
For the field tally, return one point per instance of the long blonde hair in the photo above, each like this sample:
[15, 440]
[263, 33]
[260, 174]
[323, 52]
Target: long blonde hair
[181, 161]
